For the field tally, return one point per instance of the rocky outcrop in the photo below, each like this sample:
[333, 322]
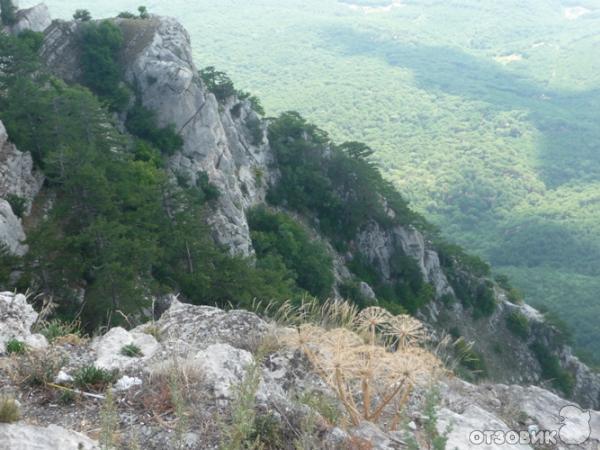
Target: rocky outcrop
[379, 245]
[36, 18]
[11, 230]
[224, 141]
[17, 174]
[16, 319]
[219, 348]
[218, 138]
[19, 181]
[60, 50]
[529, 409]
[109, 348]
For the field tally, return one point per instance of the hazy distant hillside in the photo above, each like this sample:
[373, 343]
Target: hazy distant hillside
[491, 129]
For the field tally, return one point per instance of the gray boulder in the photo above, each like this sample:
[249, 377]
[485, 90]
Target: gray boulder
[108, 348]
[36, 18]
[17, 174]
[12, 234]
[21, 436]
[16, 318]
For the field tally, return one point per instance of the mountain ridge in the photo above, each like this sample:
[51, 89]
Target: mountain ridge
[220, 142]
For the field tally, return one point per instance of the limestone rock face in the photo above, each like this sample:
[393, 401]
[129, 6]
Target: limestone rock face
[17, 178]
[108, 348]
[17, 174]
[187, 328]
[379, 245]
[60, 51]
[11, 230]
[21, 436]
[469, 407]
[225, 367]
[224, 141]
[36, 18]
[16, 318]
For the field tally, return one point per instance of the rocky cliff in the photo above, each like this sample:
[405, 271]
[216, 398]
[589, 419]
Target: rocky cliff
[157, 60]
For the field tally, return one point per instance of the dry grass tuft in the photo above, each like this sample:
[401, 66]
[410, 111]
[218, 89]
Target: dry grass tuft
[38, 368]
[9, 410]
[172, 393]
[372, 364]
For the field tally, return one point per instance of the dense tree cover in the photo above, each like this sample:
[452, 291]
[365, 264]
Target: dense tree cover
[100, 44]
[8, 12]
[344, 191]
[276, 236]
[142, 123]
[222, 86]
[482, 127]
[336, 184]
[120, 229]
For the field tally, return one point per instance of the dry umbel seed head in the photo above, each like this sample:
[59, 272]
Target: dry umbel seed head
[371, 376]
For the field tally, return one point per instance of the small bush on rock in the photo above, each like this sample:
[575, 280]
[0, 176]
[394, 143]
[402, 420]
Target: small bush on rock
[57, 328]
[518, 324]
[15, 347]
[17, 204]
[91, 377]
[552, 370]
[82, 15]
[132, 351]
[39, 368]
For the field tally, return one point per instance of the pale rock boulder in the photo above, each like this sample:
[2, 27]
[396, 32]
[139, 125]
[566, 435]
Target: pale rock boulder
[186, 329]
[12, 234]
[223, 368]
[36, 18]
[16, 318]
[108, 348]
[17, 174]
[472, 419]
[21, 436]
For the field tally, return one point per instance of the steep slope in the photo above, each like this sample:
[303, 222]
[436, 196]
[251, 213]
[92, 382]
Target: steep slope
[217, 139]
[388, 251]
